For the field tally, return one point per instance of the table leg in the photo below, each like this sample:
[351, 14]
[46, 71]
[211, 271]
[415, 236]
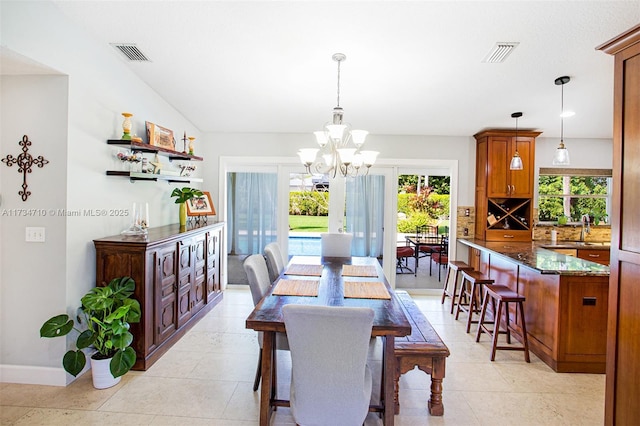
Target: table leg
[437, 374]
[266, 389]
[388, 379]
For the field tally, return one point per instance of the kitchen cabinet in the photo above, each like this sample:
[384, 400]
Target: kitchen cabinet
[504, 197]
[623, 344]
[177, 276]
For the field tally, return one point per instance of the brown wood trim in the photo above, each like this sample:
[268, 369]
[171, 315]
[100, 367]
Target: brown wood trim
[507, 132]
[621, 41]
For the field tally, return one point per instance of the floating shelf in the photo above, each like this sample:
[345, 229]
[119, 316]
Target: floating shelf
[145, 147]
[134, 176]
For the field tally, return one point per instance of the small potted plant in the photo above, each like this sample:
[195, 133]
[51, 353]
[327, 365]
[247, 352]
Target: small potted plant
[182, 196]
[107, 312]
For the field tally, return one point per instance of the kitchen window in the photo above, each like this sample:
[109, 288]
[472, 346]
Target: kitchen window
[574, 193]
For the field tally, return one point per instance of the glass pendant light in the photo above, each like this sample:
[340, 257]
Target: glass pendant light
[516, 160]
[561, 157]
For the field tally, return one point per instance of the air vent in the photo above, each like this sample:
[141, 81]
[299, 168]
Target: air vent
[500, 52]
[131, 52]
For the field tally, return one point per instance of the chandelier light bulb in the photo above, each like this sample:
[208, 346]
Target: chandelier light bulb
[561, 157]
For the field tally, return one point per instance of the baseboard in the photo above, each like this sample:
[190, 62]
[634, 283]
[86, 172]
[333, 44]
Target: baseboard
[29, 375]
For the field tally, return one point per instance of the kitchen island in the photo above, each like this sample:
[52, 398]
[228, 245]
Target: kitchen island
[566, 299]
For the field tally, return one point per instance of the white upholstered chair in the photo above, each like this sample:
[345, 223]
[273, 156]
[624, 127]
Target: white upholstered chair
[336, 244]
[275, 261]
[256, 268]
[330, 379]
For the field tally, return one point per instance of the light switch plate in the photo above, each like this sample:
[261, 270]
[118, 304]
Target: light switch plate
[34, 234]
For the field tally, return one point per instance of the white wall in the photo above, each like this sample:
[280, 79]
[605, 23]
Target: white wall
[100, 87]
[391, 147]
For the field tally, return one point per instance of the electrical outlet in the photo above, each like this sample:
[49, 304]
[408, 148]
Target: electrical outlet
[34, 234]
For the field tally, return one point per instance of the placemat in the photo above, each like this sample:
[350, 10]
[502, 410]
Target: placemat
[366, 290]
[359, 271]
[302, 269]
[296, 288]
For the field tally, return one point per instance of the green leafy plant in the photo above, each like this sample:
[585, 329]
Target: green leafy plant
[107, 312]
[185, 194]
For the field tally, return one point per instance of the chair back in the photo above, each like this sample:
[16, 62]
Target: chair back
[330, 380]
[336, 244]
[258, 274]
[275, 261]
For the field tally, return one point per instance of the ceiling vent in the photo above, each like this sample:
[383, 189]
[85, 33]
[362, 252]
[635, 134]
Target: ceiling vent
[131, 52]
[500, 52]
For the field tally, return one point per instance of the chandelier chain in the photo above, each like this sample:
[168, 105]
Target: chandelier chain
[339, 83]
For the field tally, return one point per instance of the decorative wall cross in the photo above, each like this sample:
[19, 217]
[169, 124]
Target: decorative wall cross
[24, 162]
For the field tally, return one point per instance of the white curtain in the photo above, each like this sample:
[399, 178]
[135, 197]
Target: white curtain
[365, 214]
[252, 211]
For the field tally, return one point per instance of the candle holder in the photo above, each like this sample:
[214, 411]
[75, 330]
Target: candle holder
[126, 126]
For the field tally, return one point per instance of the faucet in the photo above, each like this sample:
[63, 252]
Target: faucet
[586, 229]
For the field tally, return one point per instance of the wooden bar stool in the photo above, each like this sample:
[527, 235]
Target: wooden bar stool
[457, 267]
[503, 295]
[471, 292]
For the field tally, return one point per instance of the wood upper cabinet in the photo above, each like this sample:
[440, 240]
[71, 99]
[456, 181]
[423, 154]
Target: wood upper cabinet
[623, 332]
[501, 146]
[177, 276]
[504, 197]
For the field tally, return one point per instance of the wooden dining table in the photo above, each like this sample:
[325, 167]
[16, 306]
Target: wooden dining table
[333, 276]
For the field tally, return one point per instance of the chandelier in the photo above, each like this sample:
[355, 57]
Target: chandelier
[339, 145]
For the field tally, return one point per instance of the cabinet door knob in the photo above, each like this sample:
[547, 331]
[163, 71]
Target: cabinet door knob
[594, 255]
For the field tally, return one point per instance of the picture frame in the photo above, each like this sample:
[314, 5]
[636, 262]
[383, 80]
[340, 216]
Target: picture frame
[201, 206]
[160, 136]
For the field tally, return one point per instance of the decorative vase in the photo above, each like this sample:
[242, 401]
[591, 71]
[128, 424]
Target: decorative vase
[191, 139]
[183, 214]
[101, 374]
[126, 126]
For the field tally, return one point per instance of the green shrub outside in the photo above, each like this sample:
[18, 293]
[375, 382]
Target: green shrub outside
[308, 203]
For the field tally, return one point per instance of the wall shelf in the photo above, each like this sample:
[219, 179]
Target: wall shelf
[145, 147]
[153, 177]
[134, 176]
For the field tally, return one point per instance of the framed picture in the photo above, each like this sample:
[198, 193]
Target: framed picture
[201, 206]
[160, 136]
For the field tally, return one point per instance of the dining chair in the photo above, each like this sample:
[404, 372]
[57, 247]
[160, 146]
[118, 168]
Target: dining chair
[330, 380]
[429, 240]
[336, 244]
[403, 253]
[258, 275]
[275, 261]
[441, 256]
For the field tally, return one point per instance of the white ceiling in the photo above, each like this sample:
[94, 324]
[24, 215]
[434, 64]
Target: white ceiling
[412, 68]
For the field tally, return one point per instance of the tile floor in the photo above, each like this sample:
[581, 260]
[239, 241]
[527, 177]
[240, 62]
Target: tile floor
[207, 378]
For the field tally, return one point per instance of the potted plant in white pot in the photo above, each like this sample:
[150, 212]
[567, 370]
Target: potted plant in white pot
[182, 196]
[107, 312]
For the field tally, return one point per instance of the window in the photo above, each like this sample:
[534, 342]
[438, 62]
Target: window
[573, 193]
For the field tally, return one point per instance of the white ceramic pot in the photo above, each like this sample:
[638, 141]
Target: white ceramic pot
[102, 377]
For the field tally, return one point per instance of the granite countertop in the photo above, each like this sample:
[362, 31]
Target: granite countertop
[534, 255]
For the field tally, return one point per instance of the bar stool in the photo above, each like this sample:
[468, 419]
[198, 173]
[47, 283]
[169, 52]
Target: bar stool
[471, 291]
[457, 267]
[503, 295]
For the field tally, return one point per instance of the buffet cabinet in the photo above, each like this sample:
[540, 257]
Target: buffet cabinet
[504, 197]
[177, 275]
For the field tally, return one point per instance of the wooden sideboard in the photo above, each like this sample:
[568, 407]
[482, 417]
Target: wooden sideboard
[177, 276]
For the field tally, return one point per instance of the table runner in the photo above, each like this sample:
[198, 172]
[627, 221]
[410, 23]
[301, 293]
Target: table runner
[296, 288]
[359, 271]
[365, 290]
[301, 269]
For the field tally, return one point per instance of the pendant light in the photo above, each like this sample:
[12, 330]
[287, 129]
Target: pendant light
[516, 160]
[561, 157]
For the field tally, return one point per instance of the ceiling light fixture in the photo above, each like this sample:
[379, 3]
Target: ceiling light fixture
[335, 153]
[516, 160]
[561, 157]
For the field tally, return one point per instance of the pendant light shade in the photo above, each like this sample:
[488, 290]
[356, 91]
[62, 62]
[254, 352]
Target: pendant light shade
[561, 157]
[516, 160]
